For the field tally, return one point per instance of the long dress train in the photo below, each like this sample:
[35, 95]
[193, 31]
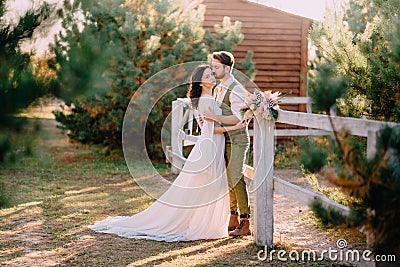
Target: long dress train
[195, 206]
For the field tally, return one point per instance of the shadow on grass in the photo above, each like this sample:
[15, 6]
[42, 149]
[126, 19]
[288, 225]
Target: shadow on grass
[111, 250]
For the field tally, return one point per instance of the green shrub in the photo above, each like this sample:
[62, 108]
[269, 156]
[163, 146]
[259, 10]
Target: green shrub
[312, 156]
[327, 215]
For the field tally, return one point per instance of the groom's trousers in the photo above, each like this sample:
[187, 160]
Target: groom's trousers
[237, 144]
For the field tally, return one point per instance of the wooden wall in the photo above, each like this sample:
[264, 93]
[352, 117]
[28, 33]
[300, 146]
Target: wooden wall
[278, 40]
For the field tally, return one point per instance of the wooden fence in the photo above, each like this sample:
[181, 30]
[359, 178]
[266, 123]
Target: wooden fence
[264, 184]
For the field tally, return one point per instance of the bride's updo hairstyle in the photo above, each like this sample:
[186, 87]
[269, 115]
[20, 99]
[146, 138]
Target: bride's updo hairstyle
[195, 88]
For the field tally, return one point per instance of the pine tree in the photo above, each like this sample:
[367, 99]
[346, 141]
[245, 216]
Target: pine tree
[18, 86]
[373, 185]
[363, 42]
[114, 50]
[359, 63]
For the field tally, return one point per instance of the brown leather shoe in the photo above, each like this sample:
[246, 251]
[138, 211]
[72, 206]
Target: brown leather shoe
[233, 222]
[242, 229]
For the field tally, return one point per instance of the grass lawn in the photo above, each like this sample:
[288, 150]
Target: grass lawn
[65, 187]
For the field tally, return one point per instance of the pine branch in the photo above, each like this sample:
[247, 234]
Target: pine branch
[348, 163]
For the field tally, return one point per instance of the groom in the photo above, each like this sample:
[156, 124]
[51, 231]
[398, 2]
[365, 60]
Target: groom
[237, 142]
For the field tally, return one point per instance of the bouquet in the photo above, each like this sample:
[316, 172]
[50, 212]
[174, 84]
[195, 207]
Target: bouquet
[264, 104]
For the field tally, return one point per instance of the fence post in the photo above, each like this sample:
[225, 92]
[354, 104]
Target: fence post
[176, 141]
[263, 145]
[371, 144]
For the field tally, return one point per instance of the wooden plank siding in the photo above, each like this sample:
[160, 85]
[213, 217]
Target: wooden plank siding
[278, 39]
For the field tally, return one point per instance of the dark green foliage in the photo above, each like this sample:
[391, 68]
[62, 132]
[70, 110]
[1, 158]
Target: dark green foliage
[327, 215]
[5, 146]
[19, 86]
[312, 156]
[115, 50]
[325, 85]
[375, 183]
[248, 66]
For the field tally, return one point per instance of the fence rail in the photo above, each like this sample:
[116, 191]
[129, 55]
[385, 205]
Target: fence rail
[298, 193]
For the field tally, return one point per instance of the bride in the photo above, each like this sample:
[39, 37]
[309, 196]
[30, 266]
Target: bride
[196, 205]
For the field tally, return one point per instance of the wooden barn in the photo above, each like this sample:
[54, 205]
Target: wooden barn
[278, 39]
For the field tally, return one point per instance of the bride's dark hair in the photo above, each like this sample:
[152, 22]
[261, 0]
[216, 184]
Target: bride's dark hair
[195, 89]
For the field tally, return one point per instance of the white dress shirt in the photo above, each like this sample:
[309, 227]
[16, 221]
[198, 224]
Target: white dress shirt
[236, 98]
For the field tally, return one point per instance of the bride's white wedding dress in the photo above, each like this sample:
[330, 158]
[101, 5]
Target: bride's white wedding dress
[195, 206]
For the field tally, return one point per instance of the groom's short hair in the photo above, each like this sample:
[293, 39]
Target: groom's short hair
[225, 58]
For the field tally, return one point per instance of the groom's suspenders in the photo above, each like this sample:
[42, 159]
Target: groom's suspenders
[226, 105]
[226, 111]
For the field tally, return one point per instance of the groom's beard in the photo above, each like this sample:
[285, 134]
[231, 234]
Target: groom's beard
[218, 77]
